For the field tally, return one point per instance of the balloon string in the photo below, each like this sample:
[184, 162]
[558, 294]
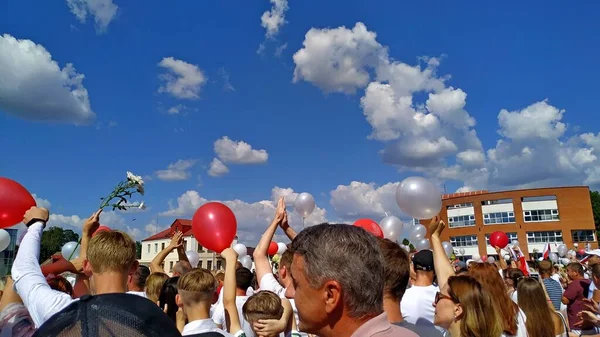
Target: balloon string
[74, 249]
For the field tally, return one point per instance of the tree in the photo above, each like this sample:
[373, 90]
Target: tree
[53, 239]
[138, 250]
[595, 197]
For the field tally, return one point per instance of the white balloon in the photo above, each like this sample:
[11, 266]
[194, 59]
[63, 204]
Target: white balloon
[515, 243]
[553, 257]
[421, 244]
[491, 259]
[565, 261]
[193, 257]
[240, 249]
[571, 253]
[575, 245]
[406, 230]
[246, 262]
[507, 257]
[461, 251]
[281, 248]
[447, 248]
[417, 233]
[562, 250]
[476, 257]
[4, 240]
[392, 228]
[419, 198]
[304, 204]
[406, 248]
[70, 250]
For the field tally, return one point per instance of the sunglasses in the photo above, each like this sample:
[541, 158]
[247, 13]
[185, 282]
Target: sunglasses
[439, 296]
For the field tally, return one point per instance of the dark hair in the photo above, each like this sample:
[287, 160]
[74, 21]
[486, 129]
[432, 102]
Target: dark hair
[576, 267]
[396, 269]
[140, 276]
[243, 278]
[596, 270]
[286, 259]
[330, 252]
[167, 297]
[545, 267]
[61, 284]
[514, 274]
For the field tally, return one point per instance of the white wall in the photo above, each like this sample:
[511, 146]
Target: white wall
[461, 211]
[191, 244]
[485, 209]
[535, 205]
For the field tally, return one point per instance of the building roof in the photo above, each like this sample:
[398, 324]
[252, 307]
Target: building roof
[463, 194]
[183, 225]
[473, 193]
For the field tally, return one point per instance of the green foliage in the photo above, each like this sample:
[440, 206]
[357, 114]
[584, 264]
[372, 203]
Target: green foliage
[53, 239]
[595, 197]
[138, 250]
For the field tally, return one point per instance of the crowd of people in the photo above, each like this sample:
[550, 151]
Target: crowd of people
[334, 280]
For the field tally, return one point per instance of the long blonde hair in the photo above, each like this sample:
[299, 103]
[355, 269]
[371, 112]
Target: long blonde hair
[480, 316]
[532, 300]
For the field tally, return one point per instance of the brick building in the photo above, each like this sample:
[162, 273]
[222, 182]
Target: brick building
[533, 217]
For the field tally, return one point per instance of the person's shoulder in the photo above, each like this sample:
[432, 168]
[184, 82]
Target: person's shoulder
[401, 331]
[422, 331]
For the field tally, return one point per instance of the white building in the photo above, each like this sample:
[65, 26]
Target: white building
[153, 245]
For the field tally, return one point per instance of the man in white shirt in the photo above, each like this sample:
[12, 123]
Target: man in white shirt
[137, 282]
[417, 302]
[195, 295]
[243, 281]
[108, 261]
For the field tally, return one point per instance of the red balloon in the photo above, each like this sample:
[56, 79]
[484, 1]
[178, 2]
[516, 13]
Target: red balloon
[484, 258]
[273, 248]
[499, 239]
[370, 226]
[214, 226]
[101, 228]
[15, 200]
[581, 251]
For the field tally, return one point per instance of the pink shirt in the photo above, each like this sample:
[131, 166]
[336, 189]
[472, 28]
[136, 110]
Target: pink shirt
[380, 327]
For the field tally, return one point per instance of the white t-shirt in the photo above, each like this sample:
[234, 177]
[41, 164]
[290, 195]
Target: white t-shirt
[202, 326]
[218, 316]
[139, 293]
[417, 305]
[250, 291]
[268, 282]
[521, 328]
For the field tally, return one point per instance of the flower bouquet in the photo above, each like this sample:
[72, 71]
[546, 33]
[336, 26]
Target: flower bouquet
[119, 197]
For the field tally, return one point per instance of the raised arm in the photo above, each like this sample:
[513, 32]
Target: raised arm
[232, 319]
[261, 259]
[501, 260]
[288, 230]
[40, 300]
[443, 268]
[176, 241]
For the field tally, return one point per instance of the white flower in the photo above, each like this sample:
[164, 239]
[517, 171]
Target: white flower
[142, 206]
[140, 189]
[135, 179]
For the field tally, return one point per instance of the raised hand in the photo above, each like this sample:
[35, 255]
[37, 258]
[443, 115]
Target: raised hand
[176, 240]
[36, 214]
[436, 226]
[280, 211]
[229, 254]
[92, 223]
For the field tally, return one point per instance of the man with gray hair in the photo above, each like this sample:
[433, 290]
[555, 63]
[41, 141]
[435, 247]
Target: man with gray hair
[337, 277]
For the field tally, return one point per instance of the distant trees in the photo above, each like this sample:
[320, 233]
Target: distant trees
[53, 239]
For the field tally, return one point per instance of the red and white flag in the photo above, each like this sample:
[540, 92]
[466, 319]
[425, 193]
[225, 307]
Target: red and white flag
[546, 252]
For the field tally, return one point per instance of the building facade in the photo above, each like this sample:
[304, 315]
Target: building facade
[7, 256]
[534, 217]
[153, 245]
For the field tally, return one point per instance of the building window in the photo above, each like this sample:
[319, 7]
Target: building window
[539, 198]
[200, 264]
[156, 247]
[465, 205]
[148, 248]
[544, 237]
[511, 237]
[163, 245]
[171, 267]
[200, 249]
[496, 202]
[541, 215]
[499, 217]
[464, 241]
[218, 264]
[209, 265]
[461, 221]
[583, 235]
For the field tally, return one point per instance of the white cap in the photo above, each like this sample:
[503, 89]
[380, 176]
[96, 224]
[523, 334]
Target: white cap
[594, 252]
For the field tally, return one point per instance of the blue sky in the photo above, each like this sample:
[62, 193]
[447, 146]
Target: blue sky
[316, 101]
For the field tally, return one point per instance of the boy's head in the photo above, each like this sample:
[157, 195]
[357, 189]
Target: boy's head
[196, 287]
[243, 278]
[262, 305]
[111, 252]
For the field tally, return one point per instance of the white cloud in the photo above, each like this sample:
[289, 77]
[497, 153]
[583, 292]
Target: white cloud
[103, 11]
[179, 170]
[225, 77]
[337, 60]
[179, 109]
[252, 217]
[217, 168]
[43, 203]
[238, 152]
[471, 158]
[365, 200]
[539, 120]
[182, 80]
[34, 87]
[272, 20]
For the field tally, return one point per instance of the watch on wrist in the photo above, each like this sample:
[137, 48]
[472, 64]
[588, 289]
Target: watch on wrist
[36, 220]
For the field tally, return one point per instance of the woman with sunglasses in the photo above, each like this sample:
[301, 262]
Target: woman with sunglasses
[462, 306]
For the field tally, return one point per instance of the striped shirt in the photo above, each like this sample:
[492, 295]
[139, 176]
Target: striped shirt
[554, 291]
